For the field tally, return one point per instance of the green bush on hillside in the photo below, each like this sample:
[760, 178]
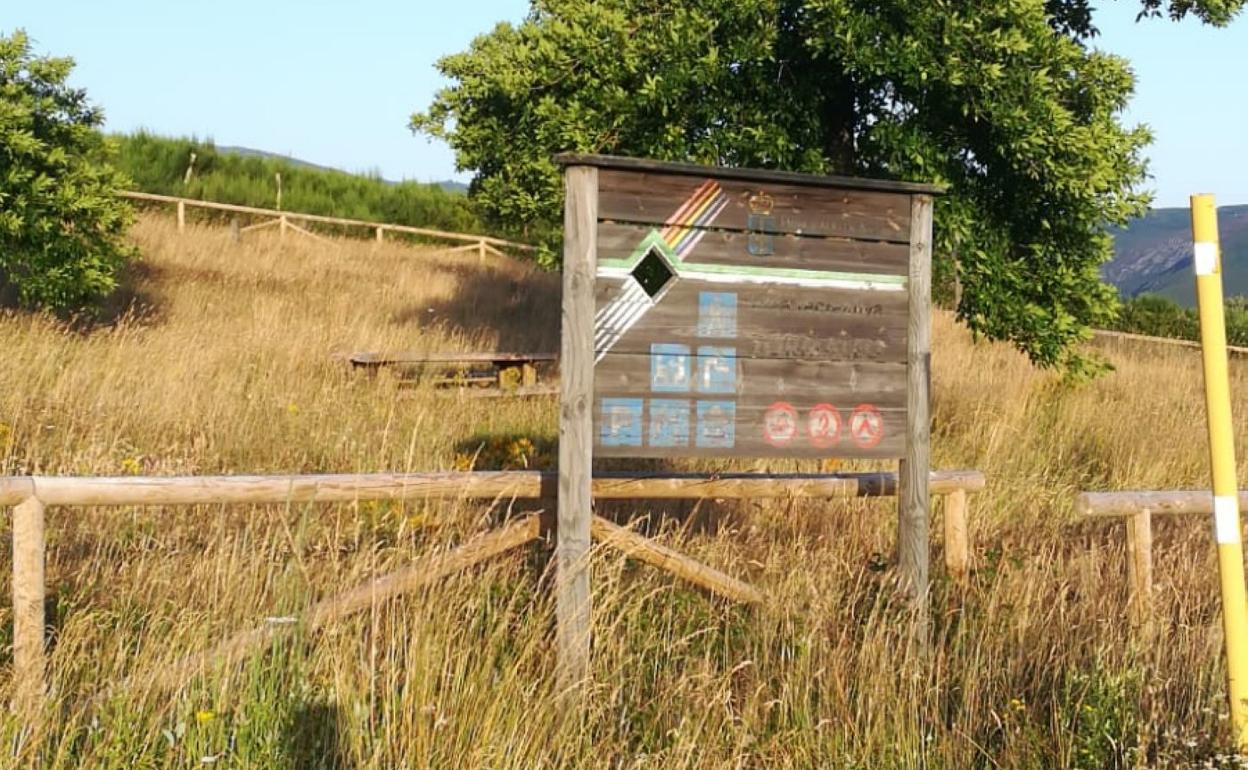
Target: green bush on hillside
[158, 165]
[1158, 316]
[61, 226]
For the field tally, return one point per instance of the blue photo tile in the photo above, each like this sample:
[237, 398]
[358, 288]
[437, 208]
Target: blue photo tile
[717, 314]
[671, 368]
[620, 422]
[717, 424]
[669, 422]
[717, 370]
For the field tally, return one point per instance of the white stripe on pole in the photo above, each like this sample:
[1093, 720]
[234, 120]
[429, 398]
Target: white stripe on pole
[1226, 519]
[1205, 257]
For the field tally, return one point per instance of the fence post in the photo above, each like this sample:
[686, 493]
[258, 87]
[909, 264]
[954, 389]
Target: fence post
[481, 252]
[181, 216]
[281, 224]
[572, 592]
[28, 601]
[957, 546]
[380, 235]
[1140, 565]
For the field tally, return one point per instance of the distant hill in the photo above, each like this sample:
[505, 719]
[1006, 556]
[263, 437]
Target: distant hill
[1153, 254]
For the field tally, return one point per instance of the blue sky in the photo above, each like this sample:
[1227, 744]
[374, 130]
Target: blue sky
[335, 82]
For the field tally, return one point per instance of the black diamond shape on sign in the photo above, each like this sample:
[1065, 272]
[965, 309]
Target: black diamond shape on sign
[653, 273]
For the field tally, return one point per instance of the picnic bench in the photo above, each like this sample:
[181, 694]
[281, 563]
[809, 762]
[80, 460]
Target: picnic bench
[507, 371]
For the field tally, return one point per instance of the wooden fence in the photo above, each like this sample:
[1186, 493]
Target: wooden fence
[31, 496]
[1103, 336]
[1137, 509]
[285, 220]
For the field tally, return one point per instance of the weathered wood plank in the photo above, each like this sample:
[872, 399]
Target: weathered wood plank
[386, 359]
[707, 428]
[618, 241]
[656, 198]
[412, 577]
[29, 587]
[469, 485]
[657, 555]
[572, 582]
[323, 219]
[754, 321]
[957, 539]
[758, 486]
[1119, 504]
[763, 379]
[1140, 566]
[775, 408]
[747, 174]
[913, 509]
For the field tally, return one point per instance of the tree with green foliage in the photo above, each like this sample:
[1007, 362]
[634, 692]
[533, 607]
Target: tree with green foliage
[61, 227]
[1002, 101]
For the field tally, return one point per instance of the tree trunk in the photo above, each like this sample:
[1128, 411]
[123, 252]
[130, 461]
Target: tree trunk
[840, 117]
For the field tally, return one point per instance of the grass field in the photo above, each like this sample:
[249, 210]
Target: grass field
[223, 363]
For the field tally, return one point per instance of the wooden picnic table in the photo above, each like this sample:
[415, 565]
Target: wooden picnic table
[507, 370]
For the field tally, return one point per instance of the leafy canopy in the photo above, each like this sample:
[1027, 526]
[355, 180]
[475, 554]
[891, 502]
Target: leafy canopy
[1000, 100]
[61, 226]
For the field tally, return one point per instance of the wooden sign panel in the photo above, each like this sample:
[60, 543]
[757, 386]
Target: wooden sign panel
[748, 317]
[736, 312]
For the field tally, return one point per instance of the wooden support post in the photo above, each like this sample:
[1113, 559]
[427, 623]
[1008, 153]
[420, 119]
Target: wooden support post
[282, 225]
[381, 235]
[580, 257]
[181, 216]
[913, 499]
[308, 233]
[28, 600]
[1140, 566]
[414, 576]
[957, 546]
[528, 374]
[643, 549]
[236, 232]
[481, 252]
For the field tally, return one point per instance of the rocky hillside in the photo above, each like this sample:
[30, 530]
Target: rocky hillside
[1154, 254]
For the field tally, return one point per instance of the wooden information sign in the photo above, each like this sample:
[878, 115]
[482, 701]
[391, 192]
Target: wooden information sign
[741, 313]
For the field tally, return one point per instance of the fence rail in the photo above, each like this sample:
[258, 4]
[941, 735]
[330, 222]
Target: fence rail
[1112, 336]
[283, 220]
[1136, 509]
[30, 497]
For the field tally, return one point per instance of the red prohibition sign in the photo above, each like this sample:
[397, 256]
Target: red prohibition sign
[866, 425]
[823, 424]
[780, 423]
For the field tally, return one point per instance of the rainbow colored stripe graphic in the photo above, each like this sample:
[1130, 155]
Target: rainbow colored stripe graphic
[682, 230]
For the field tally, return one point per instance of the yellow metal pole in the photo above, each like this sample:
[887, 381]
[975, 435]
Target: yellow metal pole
[1226, 527]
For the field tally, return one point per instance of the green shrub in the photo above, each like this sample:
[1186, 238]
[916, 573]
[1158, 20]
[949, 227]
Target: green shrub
[1158, 316]
[61, 226]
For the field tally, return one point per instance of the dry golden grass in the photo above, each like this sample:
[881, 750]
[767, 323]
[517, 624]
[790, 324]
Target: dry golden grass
[227, 366]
